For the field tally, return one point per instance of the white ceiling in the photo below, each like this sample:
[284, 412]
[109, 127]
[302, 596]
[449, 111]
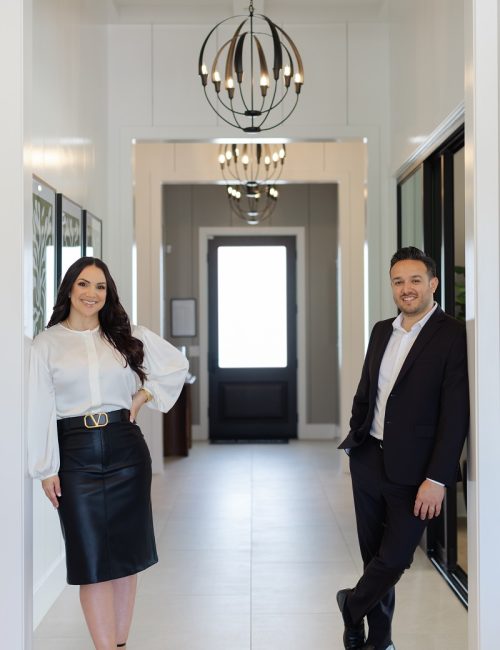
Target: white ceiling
[282, 11]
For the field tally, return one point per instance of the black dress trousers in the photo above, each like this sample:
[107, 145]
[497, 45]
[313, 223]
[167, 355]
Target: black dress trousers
[388, 534]
[105, 504]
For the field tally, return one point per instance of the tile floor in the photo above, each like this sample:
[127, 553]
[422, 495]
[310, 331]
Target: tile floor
[254, 541]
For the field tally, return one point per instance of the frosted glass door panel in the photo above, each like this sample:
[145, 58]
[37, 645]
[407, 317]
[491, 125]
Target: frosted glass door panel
[252, 307]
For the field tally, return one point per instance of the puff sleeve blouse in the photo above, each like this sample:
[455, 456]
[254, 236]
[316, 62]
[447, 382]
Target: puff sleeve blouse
[73, 373]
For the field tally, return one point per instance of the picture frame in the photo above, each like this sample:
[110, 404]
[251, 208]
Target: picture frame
[70, 234]
[183, 317]
[92, 227]
[44, 247]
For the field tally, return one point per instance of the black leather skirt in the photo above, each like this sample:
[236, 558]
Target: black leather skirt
[105, 504]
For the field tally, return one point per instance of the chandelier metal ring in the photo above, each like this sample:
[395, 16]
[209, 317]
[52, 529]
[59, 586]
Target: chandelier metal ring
[245, 103]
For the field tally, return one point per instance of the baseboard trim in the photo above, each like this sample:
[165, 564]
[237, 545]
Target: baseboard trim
[306, 432]
[49, 589]
[319, 432]
[198, 433]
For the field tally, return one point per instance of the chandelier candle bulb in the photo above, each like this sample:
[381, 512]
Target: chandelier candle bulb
[298, 82]
[230, 87]
[264, 85]
[216, 81]
[204, 74]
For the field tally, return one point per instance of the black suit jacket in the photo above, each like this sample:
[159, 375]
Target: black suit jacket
[427, 412]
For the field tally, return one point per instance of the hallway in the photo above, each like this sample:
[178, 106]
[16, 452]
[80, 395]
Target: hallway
[254, 541]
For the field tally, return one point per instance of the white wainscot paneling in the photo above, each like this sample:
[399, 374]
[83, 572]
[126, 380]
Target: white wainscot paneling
[426, 70]
[49, 568]
[129, 74]
[368, 73]
[69, 72]
[178, 97]
[323, 96]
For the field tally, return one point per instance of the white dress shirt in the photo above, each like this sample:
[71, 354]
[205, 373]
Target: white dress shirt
[394, 356]
[73, 373]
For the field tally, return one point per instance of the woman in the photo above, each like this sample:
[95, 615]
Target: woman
[89, 377]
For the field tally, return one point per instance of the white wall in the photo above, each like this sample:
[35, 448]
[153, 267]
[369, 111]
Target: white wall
[482, 258]
[426, 70]
[70, 99]
[69, 113]
[15, 583]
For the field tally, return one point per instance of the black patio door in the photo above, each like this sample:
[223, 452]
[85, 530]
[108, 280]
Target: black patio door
[252, 338]
[431, 215]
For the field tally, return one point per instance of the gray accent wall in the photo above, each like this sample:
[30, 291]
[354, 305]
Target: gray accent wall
[186, 208]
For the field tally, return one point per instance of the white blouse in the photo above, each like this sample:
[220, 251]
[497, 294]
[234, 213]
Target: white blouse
[73, 373]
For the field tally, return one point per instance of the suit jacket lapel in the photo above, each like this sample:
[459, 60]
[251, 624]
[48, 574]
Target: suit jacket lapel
[428, 331]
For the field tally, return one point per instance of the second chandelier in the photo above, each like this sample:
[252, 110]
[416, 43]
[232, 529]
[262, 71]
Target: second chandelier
[251, 172]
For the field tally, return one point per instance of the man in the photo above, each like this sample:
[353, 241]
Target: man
[410, 417]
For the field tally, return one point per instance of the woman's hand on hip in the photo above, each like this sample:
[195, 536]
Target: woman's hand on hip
[138, 400]
[52, 488]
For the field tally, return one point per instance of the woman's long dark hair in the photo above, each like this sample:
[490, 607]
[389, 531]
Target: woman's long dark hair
[113, 319]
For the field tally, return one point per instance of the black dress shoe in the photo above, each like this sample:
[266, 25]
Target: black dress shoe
[354, 633]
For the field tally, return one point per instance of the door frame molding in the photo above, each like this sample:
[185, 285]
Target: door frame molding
[360, 224]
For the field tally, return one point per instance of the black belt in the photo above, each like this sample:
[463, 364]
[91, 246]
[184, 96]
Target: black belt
[93, 420]
[379, 443]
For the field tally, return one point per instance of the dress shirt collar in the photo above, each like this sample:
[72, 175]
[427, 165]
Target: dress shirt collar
[397, 323]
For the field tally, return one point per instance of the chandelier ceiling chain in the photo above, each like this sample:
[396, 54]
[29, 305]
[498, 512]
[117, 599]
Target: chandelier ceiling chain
[235, 98]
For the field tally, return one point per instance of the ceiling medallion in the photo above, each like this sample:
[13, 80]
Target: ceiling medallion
[242, 91]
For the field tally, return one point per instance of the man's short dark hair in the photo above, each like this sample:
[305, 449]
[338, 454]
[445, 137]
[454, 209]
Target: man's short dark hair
[413, 253]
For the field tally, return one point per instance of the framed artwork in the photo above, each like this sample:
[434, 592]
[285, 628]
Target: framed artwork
[183, 316]
[44, 253]
[92, 227]
[70, 234]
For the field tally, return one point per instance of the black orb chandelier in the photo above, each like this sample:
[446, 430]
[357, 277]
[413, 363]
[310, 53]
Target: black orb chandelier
[251, 172]
[245, 94]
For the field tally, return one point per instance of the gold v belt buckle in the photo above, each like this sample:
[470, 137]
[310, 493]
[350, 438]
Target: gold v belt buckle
[97, 419]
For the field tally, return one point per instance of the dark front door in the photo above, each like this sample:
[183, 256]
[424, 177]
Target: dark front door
[252, 338]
